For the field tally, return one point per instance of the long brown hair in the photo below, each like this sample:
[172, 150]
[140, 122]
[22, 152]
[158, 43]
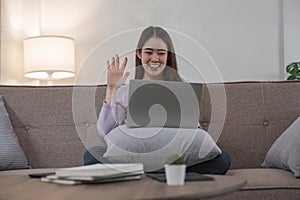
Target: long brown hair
[170, 72]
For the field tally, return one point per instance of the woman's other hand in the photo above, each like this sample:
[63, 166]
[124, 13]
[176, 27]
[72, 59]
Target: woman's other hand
[115, 72]
[199, 125]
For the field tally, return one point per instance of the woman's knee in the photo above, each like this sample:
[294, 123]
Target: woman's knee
[224, 162]
[94, 155]
[218, 165]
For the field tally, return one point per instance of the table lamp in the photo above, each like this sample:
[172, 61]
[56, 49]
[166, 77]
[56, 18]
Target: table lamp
[49, 58]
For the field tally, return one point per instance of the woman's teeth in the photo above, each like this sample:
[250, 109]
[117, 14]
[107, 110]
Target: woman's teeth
[154, 65]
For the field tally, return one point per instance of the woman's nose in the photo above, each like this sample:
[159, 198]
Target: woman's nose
[154, 57]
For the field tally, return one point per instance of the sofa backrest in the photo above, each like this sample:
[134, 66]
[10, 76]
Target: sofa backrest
[256, 115]
[52, 132]
[56, 124]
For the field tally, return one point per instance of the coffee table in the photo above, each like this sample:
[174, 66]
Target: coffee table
[21, 187]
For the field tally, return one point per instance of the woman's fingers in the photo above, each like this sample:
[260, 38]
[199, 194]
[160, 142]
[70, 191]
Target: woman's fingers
[124, 63]
[115, 63]
[126, 75]
[115, 73]
[123, 79]
[117, 60]
[199, 125]
[108, 64]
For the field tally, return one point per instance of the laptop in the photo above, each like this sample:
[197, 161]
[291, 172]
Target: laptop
[163, 104]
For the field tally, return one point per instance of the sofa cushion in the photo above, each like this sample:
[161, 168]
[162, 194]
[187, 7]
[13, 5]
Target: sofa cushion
[152, 146]
[11, 154]
[262, 178]
[284, 153]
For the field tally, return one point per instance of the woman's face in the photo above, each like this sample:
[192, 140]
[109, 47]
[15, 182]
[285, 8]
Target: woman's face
[154, 57]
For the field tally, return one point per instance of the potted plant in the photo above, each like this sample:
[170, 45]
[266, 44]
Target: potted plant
[294, 70]
[175, 168]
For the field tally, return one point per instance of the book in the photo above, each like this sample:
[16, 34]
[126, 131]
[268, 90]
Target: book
[60, 181]
[94, 178]
[97, 173]
[70, 181]
[101, 170]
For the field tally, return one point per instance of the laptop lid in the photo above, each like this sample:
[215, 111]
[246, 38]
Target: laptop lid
[163, 104]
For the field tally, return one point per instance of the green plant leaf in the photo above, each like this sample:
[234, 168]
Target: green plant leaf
[292, 77]
[175, 159]
[294, 70]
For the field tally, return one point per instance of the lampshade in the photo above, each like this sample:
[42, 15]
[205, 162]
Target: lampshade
[49, 57]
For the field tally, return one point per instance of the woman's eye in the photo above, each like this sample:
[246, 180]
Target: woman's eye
[161, 53]
[148, 52]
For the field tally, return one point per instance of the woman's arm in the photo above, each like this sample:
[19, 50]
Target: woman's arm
[112, 116]
[113, 111]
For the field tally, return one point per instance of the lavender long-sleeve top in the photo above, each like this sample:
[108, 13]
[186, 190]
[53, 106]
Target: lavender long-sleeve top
[113, 115]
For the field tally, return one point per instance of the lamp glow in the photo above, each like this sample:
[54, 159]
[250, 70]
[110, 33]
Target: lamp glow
[49, 57]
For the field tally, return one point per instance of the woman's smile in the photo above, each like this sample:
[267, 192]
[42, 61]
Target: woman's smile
[154, 67]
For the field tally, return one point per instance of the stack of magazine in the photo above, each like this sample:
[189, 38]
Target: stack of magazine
[97, 173]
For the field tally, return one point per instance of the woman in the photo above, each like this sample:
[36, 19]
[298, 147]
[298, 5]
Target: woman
[155, 60]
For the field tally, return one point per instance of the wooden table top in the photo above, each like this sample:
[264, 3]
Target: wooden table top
[21, 187]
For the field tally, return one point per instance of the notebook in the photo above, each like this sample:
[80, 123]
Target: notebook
[163, 104]
[96, 173]
[101, 170]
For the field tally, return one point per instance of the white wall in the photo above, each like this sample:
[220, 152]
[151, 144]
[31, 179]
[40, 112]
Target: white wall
[215, 40]
[291, 31]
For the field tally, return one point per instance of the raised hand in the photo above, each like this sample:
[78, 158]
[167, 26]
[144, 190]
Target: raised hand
[115, 72]
[115, 77]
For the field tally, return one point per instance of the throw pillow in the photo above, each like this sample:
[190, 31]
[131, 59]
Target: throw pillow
[284, 153]
[11, 154]
[152, 146]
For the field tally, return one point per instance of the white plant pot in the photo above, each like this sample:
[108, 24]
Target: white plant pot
[175, 174]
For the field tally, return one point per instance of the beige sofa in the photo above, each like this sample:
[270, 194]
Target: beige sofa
[56, 124]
